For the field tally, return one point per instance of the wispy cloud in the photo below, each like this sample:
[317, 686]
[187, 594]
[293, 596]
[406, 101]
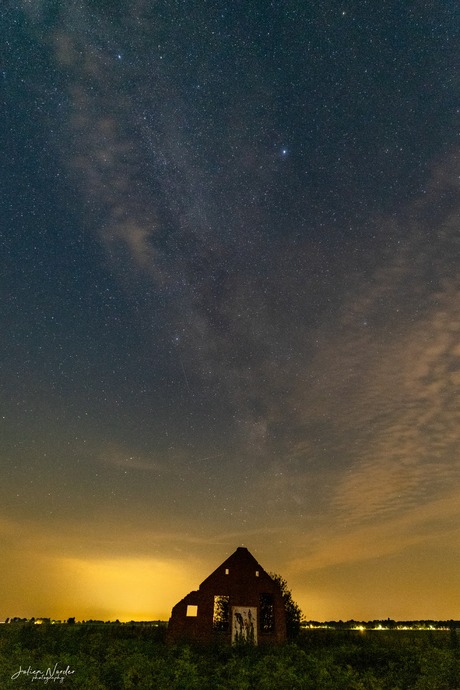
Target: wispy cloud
[434, 522]
[115, 456]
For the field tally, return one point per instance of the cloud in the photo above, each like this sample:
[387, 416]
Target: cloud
[115, 456]
[348, 362]
[434, 523]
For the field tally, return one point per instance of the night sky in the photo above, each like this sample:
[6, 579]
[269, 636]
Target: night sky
[230, 303]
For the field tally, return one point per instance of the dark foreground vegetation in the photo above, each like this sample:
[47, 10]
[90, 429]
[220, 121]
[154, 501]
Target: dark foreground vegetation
[130, 657]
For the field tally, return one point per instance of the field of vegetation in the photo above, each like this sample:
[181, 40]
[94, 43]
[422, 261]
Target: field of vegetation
[134, 657]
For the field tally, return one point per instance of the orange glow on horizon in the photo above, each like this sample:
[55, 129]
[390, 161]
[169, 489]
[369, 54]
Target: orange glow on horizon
[125, 588]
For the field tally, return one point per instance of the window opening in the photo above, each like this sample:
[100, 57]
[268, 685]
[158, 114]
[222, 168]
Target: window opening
[221, 614]
[267, 613]
[192, 610]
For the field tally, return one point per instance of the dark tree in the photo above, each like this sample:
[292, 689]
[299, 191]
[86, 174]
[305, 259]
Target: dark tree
[293, 611]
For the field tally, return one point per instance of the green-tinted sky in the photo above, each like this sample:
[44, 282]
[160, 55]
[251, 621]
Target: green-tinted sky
[230, 303]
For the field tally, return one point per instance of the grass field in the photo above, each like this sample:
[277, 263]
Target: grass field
[128, 657]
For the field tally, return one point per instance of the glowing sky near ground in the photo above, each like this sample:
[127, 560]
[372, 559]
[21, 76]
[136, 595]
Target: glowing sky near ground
[230, 305]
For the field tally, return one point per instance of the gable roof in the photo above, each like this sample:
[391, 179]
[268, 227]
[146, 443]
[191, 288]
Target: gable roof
[240, 560]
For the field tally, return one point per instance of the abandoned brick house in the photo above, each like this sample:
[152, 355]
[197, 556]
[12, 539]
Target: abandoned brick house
[239, 601]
